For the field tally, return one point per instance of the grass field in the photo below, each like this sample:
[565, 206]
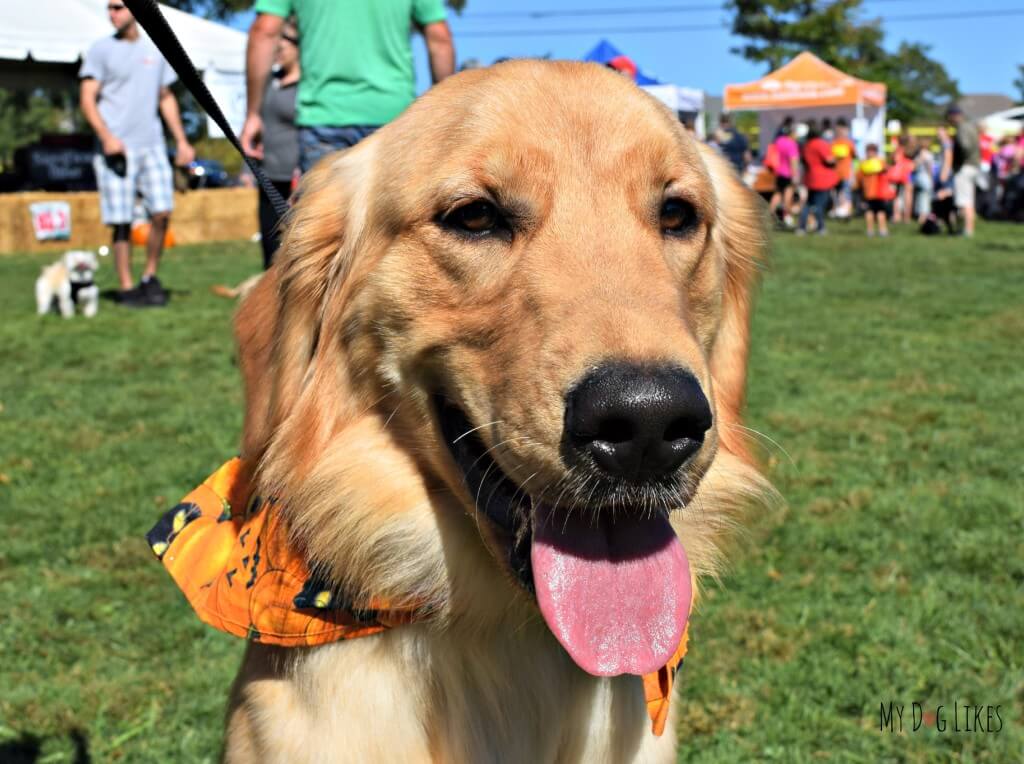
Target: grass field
[888, 373]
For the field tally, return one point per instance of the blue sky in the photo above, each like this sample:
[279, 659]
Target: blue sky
[979, 41]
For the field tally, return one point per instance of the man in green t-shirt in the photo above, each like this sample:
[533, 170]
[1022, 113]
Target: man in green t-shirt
[357, 69]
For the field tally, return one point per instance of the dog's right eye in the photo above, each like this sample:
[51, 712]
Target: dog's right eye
[477, 218]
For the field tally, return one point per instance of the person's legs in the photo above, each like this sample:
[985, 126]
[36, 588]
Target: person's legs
[923, 203]
[779, 200]
[787, 203]
[946, 212]
[155, 243]
[964, 194]
[869, 220]
[269, 235]
[883, 228]
[842, 199]
[969, 216]
[121, 244]
[156, 184]
[820, 201]
[805, 212]
[116, 194]
[270, 232]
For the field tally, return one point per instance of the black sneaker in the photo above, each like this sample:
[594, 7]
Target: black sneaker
[153, 291]
[132, 298]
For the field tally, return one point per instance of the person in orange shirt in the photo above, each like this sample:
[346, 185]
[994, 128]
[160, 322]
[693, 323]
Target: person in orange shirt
[844, 152]
[873, 182]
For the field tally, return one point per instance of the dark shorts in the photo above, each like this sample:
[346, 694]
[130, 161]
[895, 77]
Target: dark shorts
[320, 140]
[781, 184]
[877, 205]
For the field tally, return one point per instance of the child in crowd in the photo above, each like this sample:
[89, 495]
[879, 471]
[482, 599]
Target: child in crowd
[900, 172]
[873, 182]
[924, 183]
[844, 152]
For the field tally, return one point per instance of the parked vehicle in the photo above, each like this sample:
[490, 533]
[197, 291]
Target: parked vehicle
[207, 173]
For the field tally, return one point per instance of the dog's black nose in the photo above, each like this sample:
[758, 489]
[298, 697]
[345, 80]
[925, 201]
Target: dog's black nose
[637, 423]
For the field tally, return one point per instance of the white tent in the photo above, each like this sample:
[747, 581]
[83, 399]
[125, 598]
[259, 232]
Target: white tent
[681, 100]
[1006, 122]
[42, 41]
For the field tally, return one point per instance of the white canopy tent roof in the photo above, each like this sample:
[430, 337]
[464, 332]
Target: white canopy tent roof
[42, 41]
[681, 100]
[61, 31]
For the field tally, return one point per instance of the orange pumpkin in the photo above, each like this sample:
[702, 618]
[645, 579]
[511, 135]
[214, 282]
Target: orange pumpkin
[140, 235]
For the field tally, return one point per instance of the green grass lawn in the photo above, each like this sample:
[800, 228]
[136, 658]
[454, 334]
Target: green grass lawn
[888, 373]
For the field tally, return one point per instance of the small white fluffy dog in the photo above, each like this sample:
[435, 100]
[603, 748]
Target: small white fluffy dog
[70, 280]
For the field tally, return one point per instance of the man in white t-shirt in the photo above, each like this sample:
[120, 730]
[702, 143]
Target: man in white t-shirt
[124, 92]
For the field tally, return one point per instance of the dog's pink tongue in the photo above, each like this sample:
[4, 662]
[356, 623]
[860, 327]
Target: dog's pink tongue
[616, 595]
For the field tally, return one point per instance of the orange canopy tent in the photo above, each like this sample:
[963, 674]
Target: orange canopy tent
[808, 88]
[804, 82]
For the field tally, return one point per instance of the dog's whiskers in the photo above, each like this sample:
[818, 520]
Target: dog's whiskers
[478, 427]
[487, 451]
[760, 437]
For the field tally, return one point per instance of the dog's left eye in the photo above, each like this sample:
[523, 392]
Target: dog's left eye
[477, 218]
[678, 217]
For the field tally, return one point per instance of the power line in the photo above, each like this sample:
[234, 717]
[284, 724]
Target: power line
[617, 11]
[954, 15]
[614, 11]
[709, 27]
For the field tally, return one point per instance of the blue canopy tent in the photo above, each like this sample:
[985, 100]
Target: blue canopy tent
[688, 103]
[604, 52]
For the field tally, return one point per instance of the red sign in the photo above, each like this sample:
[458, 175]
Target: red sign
[51, 220]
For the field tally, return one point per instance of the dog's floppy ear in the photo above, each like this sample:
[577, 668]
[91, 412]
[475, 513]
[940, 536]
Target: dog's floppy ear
[740, 236]
[255, 326]
[280, 324]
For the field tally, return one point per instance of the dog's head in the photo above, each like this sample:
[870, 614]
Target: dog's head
[503, 346]
[81, 265]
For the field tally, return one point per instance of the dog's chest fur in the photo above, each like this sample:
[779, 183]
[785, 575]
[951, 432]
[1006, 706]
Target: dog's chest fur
[413, 694]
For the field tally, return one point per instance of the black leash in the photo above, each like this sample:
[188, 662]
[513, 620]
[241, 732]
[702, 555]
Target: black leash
[148, 14]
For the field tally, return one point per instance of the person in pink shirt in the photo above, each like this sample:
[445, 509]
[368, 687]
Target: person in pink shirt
[783, 159]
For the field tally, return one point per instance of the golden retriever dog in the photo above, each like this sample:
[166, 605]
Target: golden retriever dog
[496, 374]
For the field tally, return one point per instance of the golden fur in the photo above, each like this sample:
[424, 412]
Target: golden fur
[371, 305]
[239, 291]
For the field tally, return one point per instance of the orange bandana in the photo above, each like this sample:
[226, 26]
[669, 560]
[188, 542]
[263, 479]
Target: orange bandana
[225, 550]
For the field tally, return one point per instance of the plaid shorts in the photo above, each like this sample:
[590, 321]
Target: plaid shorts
[148, 173]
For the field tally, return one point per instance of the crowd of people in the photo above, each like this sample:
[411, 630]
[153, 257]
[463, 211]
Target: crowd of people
[812, 171]
[321, 76]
